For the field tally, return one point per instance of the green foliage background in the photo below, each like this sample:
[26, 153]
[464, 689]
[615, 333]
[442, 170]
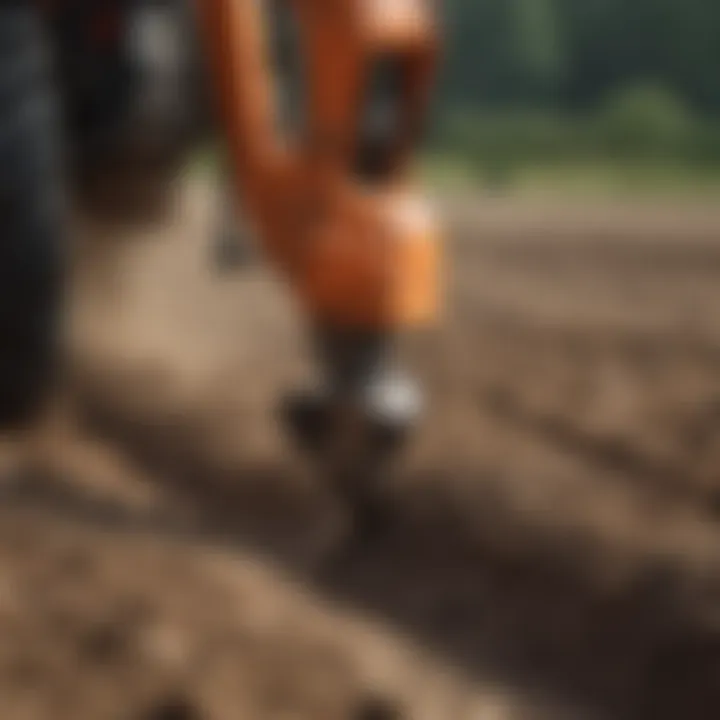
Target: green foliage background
[579, 82]
[573, 53]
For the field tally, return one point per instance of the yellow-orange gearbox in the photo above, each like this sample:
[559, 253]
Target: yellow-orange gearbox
[331, 201]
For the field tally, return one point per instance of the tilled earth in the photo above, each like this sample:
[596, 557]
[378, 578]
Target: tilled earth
[551, 547]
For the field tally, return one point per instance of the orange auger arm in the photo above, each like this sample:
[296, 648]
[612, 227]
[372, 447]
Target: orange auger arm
[332, 206]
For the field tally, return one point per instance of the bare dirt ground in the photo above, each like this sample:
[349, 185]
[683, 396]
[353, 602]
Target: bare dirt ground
[553, 545]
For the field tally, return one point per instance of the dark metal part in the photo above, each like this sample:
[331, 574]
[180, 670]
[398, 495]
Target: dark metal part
[355, 426]
[232, 247]
[365, 406]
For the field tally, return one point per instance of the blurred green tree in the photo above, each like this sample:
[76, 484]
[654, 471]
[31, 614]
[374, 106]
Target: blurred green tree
[573, 54]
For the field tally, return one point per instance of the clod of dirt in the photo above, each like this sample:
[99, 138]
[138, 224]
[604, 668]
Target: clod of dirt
[105, 643]
[378, 708]
[174, 708]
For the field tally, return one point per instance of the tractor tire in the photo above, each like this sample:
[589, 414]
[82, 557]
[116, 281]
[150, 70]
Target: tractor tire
[132, 103]
[31, 218]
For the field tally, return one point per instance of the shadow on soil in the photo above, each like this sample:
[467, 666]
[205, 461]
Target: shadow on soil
[493, 599]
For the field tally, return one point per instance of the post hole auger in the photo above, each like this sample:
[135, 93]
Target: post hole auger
[333, 202]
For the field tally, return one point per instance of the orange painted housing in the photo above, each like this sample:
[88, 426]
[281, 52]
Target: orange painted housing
[358, 252]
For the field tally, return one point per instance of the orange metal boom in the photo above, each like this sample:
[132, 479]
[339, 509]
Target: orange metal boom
[357, 245]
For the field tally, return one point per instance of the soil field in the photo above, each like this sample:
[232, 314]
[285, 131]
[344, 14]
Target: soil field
[552, 544]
